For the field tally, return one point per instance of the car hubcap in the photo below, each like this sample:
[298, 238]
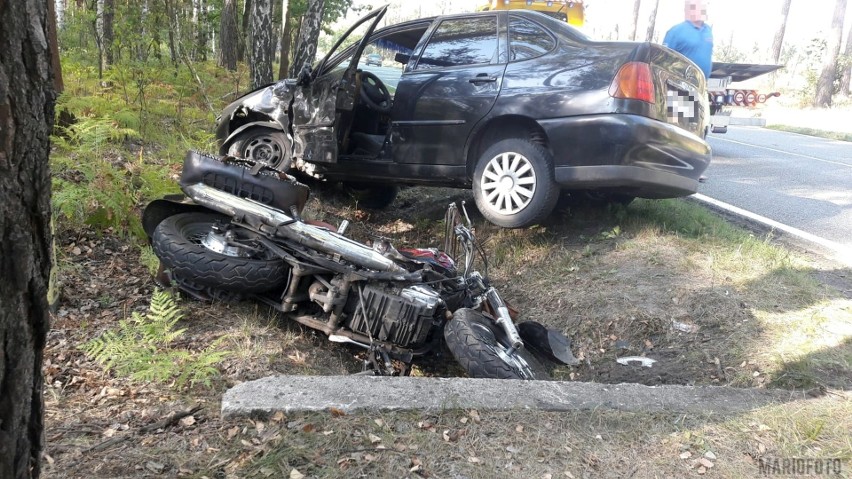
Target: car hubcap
[263, 149]
[508, 183]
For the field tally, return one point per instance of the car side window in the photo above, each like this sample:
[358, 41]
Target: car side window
[461, 41]
[527, 40]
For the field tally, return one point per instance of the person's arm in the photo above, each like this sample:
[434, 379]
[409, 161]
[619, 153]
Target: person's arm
[669, 39]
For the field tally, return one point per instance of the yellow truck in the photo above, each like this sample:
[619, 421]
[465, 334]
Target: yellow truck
[572, 12]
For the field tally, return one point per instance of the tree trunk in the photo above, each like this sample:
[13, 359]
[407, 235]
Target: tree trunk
[228, 36]
[778, 42]
[635, 27]
[825, 84]
[306, 48]
[245, 33]
[27, 100]
[284, 64]
[201, 32]
[652, 20]
[174, 42]
[52, 19]
[262, 44]
[846, 78]
[108, 15]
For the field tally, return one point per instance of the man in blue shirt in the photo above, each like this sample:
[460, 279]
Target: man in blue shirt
[693, 38]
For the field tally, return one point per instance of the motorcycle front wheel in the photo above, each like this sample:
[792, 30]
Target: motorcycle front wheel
[179, 242]
[478, 345]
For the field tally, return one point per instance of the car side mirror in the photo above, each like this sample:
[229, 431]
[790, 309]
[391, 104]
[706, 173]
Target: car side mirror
[304, 76]
[402, 58]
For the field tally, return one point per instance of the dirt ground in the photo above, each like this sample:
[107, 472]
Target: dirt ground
[573, 274]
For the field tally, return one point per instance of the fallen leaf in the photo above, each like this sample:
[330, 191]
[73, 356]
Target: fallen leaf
[685, 455]
[187, 421]
[336, 412]
[399, 447]
[446, 435]
[375, 439]
[379, 422]
[295, 474]
[473, 460]
[519, 428]
[278, 416]
[649, 344]
[705, 462]
[474, 414]
[260, 426]
[233, 432]
[309, 428]
[326, 433]
[369, 457]
[463, 420]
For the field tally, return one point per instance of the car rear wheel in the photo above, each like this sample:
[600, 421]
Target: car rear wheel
[262, 144]
[513, 183]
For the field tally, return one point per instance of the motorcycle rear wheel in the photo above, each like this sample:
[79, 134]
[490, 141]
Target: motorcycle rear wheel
[477, 344]
[177, 242]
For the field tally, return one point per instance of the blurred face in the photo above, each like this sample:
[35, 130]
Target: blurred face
[696, 11]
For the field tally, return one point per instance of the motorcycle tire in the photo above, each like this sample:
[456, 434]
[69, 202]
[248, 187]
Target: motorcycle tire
[475, 342]
[177, 242]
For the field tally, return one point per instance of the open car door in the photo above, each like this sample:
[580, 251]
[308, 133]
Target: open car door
[324, 94]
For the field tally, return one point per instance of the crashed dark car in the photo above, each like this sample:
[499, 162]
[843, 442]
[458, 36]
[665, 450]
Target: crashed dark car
[516, 105]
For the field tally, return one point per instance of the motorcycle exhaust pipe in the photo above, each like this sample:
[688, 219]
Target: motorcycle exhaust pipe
[311, 236]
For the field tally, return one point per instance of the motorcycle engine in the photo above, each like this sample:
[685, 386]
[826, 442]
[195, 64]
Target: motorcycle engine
[400, 316]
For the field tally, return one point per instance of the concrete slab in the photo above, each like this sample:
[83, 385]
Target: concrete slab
[354, 393]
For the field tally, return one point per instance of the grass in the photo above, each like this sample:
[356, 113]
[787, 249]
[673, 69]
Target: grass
[490, 444]
[831, 135]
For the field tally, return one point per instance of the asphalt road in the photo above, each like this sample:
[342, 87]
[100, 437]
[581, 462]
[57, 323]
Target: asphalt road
[801, 181]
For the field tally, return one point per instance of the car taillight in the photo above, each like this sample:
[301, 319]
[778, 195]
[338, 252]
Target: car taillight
[633, 82]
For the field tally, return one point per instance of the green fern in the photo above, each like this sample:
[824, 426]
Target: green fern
[141, 348]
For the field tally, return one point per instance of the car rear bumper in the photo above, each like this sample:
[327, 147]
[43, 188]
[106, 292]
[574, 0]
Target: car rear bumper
[632, 154]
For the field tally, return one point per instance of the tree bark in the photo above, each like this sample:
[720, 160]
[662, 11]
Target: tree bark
[201, 32]
[652, 20]
[245, 32]
[635, 27]
[286, 40]
[825, 84]
[27, 99]
[174, 35]
[106, 17]
[306, 48]
[846, 78]
[228, 36]
[778, 42]
[262, 44]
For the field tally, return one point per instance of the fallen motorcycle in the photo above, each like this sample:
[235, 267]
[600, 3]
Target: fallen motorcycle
[237, 233]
